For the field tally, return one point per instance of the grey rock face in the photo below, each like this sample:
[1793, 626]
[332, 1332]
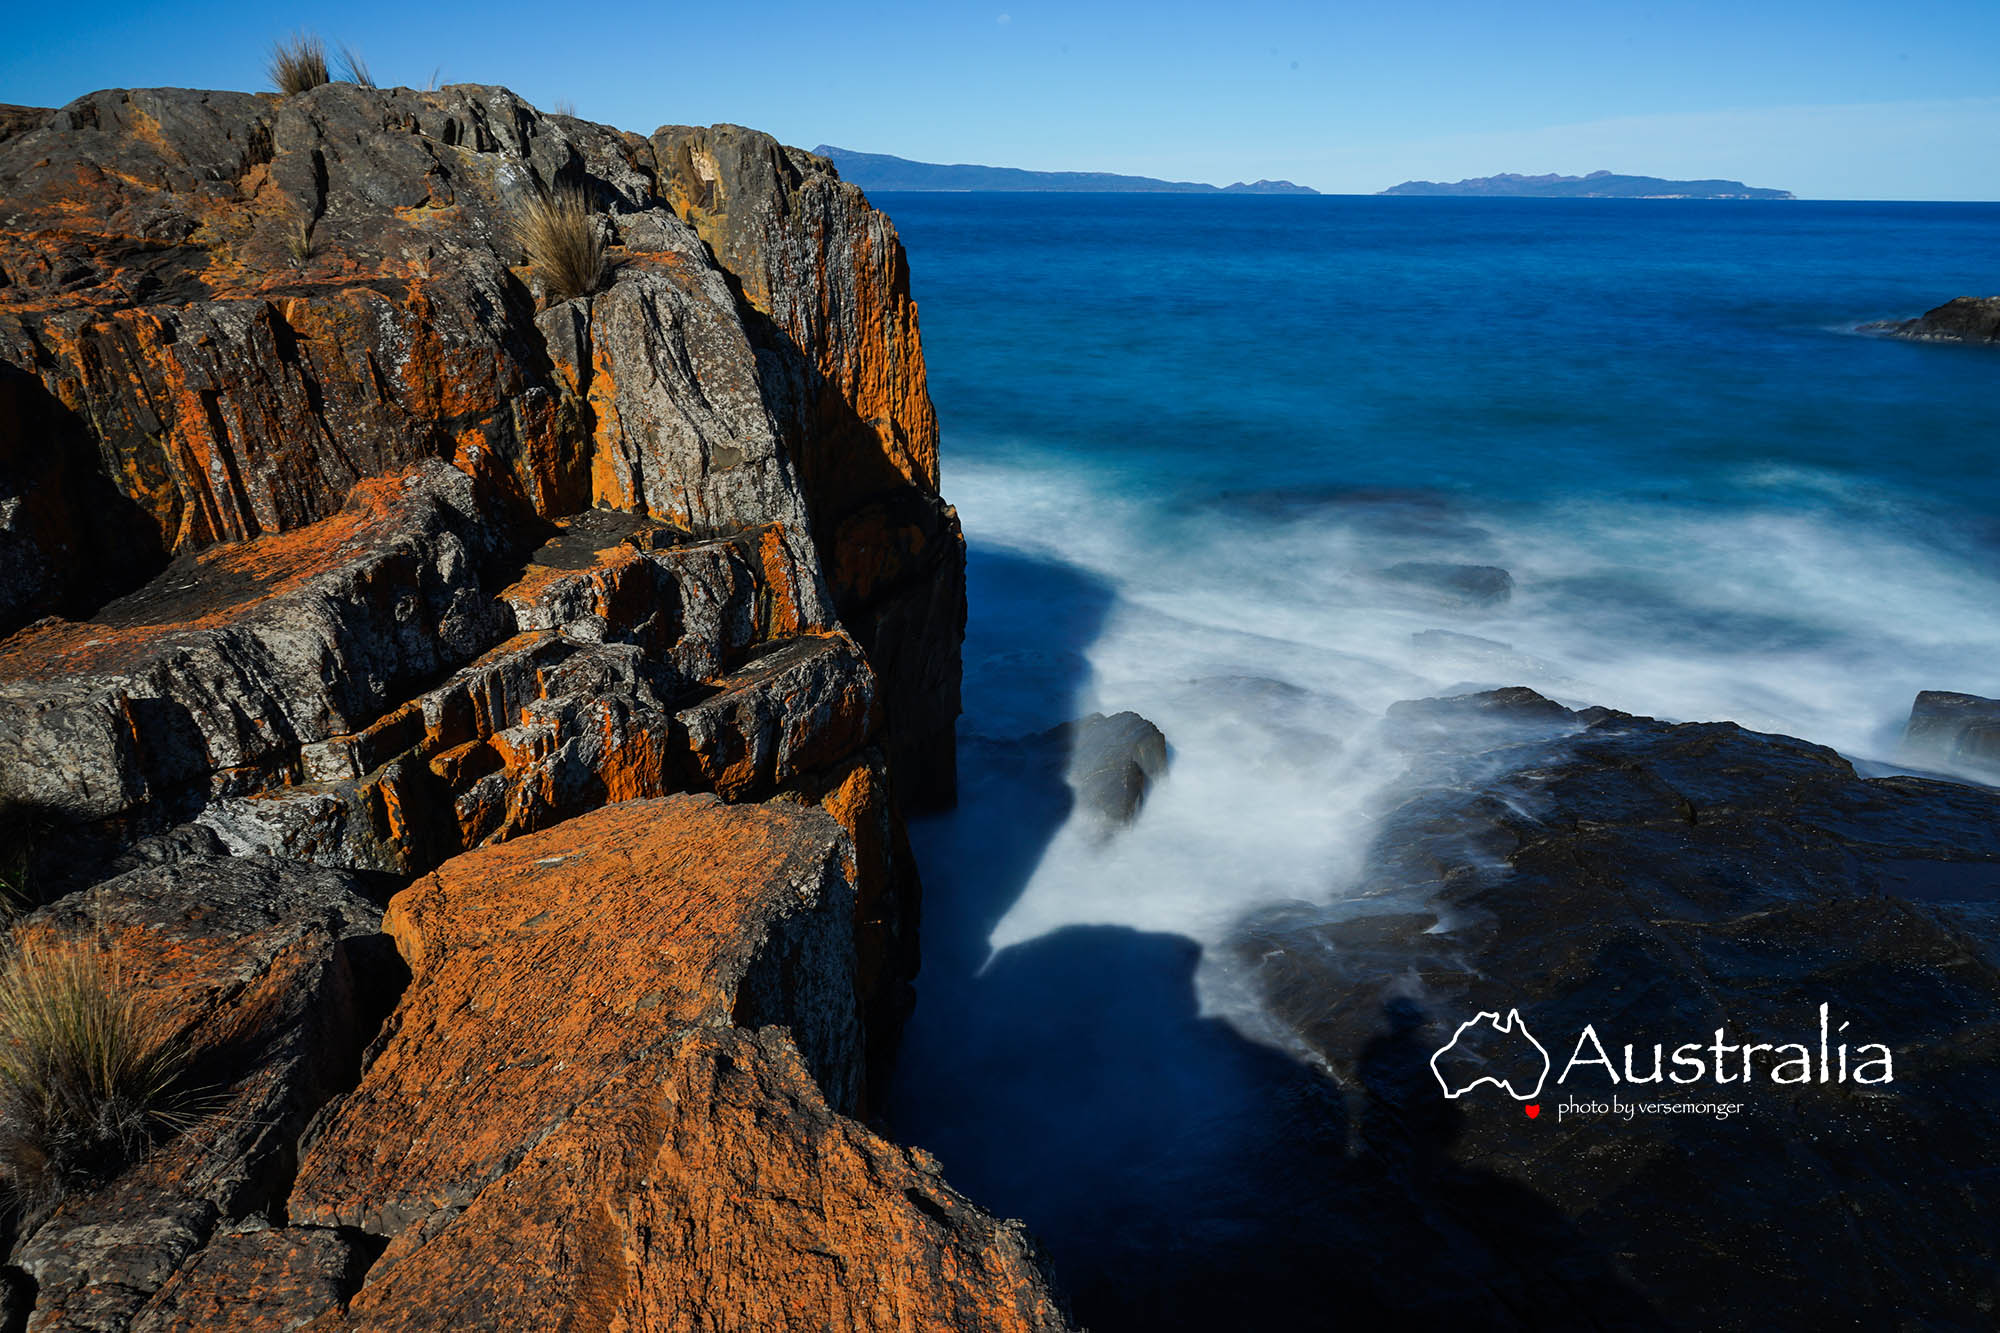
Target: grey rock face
[843, 373]
[279, 974]
[232, 660]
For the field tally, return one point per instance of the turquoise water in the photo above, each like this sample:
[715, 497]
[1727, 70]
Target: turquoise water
[1187, 435]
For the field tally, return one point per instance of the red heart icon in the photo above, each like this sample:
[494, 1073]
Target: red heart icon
[1533, 1110]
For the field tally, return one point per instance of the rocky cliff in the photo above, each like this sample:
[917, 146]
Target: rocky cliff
[345, 562]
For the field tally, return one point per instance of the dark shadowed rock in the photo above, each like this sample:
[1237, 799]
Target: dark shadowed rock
[1960, 731]
[1972, 319]
[1452, 585]
[1659, 882]
[20, 119]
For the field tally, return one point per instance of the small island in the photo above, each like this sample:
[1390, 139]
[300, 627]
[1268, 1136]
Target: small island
[880, 171]
[1597, 185]
[1965, 319]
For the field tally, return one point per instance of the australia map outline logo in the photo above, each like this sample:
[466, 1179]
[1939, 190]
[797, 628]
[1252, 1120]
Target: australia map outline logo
[1512, 1025]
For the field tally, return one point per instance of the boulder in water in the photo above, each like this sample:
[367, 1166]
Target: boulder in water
[1469, 721]
[1113, 763]
[1960, 731]
[1453, 585]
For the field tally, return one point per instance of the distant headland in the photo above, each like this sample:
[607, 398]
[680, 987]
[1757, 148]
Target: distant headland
[879, 171]
[1597, 185]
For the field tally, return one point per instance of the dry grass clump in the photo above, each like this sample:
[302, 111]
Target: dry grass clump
[353, 69]
[22, 833]
[299, 64]
[89, 1071]
[16, 894]
[559, 232]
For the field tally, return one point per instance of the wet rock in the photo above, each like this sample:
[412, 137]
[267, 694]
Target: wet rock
[1474, 721]
[1113, 763]
[1659, 882]
[1270, 721]
[1472, 586]
[1973, 319]
[1958, 731]
[278, 974]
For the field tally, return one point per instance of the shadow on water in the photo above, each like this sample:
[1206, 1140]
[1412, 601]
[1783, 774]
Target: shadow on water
[1179, 1176]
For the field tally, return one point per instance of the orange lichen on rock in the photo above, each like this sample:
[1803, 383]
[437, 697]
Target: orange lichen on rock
[265, 970]
[711, 1189]
[544, 966]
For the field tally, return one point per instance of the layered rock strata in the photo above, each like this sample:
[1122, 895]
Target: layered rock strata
[339, 553]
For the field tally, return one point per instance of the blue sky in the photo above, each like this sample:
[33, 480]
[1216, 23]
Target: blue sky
[1831, 99]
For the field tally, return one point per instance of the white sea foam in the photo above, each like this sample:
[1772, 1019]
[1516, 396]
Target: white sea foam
[1254, 636]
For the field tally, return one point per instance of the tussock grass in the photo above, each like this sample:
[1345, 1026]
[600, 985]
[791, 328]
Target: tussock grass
[353, 69]
[89, 1071]
[298, 64]
[558, 230]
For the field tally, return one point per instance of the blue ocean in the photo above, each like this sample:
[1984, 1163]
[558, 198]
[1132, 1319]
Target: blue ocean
[1187, 436]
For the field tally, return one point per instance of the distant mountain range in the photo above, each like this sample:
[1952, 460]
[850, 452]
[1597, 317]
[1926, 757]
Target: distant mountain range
[1597, 185]
[879, 171]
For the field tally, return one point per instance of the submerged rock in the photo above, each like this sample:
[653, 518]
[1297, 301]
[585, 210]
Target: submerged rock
[1960, 731]
[1474, 721]
[1454, 585]
[1656, 883]
[1973, 319]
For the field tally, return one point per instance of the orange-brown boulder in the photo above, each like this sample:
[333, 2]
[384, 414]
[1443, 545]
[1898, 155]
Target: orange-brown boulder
[712, 1190]
[567, 1123]
[544, 966]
